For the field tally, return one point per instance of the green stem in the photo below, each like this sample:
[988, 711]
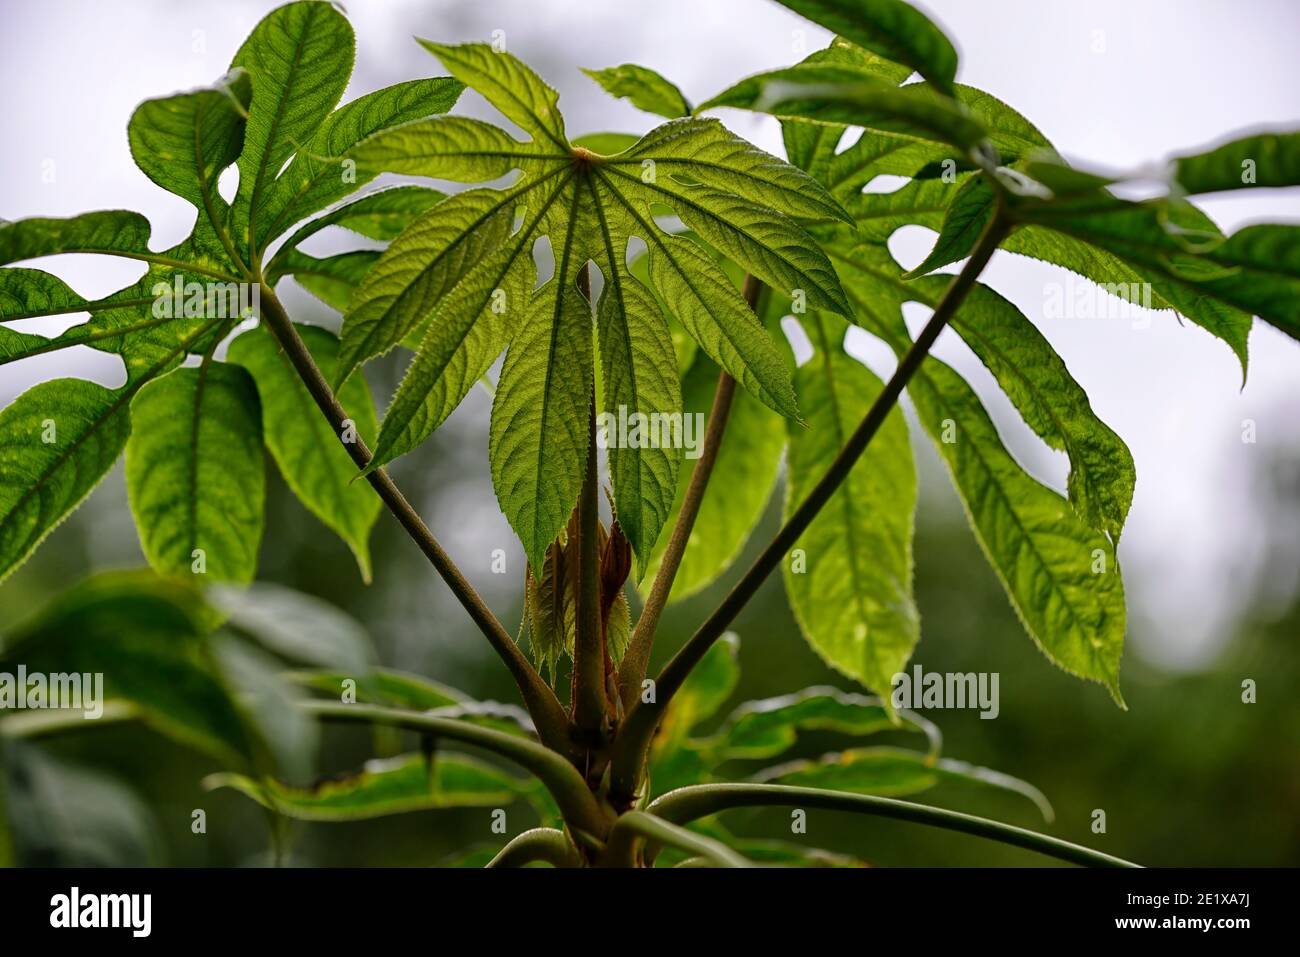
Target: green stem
[697, 801]
[636, 659]
[576, 802]
[636, 825]
[546, 711]
[540, 844]
[634, 739]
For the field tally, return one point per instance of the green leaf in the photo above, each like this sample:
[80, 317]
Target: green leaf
[701, 150]
[1062, 577]
[391, 786]
[1171, 257]
[416, 693]
[893, 772]
[145, 635]
[1052, 403]
[1261, 159]
[849, 577]
[696, 289]
[421, 267]
[464, 273]
[963, 222]
[312, 458]
[386, 686]
[296, 626]
[639, 375]
[195, 473]
[746, 467]
[65, 815]
[299, 58]
[287, 736]
[320, 174]
[644, 88]
[382, 214]
[331, 279]
[891, 28]
[844, 94]
[764, 729]
[510, 86]
[539, 440]
[701, 696]
[457, 148]
[184, 142]
[57, 440]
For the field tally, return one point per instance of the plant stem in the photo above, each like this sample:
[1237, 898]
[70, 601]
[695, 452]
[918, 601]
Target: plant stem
[589, 711]
[634, 738]
[539, 844]
[576, 802]
[636, 659]
[546, 711]
[696, 801]
[621, 850]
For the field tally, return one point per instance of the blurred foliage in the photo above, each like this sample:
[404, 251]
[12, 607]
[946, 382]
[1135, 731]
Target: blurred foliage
[1188, 776]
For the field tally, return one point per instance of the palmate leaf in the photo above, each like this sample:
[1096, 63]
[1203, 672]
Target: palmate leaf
[271, 113]
[849, 576]
[469, 267]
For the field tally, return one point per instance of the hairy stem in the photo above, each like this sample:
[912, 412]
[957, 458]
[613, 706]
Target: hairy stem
[635, 825]
[539, 844]
[691, 803]
[636, 659]
[546, 711]
[638, 730]
[576, 802]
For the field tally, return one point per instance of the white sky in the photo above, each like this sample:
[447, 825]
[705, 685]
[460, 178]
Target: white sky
[1169, 76]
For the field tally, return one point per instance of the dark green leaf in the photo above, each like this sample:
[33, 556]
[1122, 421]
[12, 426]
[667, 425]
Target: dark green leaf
[891, 28]
[1261, 159]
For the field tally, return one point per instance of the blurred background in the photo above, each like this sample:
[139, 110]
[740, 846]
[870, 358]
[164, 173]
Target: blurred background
[1188, 775]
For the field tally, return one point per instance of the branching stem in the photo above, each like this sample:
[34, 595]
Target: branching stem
[635, 735]
[636, 660]
[577, 804]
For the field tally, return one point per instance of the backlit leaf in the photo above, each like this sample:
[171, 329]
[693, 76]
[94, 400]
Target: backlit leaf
[195, 472]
